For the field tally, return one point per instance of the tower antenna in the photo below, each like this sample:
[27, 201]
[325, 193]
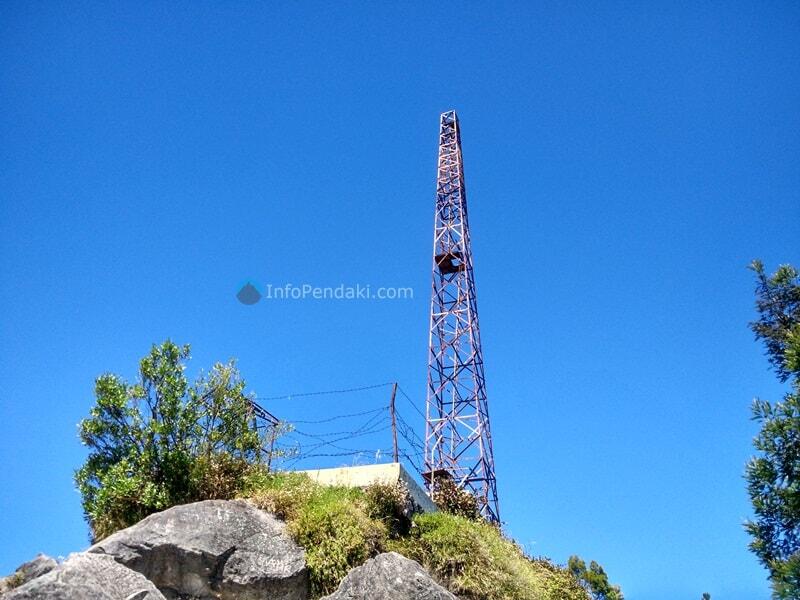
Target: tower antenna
[458, 439]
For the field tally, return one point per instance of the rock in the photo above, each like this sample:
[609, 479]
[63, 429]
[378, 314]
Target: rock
[389, 576]
[30, 570]
[38, 566]
[87, 576]
[220, 549]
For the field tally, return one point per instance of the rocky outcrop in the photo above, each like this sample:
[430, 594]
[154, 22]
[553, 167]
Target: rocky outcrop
[211, 550]
[220, 549]
[30, 570]
[389, 576]
[87, 576]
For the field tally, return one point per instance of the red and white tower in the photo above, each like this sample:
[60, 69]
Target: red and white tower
[458, 439]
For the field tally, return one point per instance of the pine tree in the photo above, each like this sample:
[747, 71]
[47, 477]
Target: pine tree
[773, 475]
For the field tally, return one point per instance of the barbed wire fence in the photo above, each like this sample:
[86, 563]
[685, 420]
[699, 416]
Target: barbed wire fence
[374, 435]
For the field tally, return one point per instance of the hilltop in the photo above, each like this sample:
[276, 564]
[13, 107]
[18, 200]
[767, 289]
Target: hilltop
[290, 538]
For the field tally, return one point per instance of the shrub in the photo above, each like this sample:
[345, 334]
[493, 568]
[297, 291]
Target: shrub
[123, 497]
[163, 441]
[337, 535]
[594, 579]
[331, 523]
[221, 476]
[474, 561]
[340, 528]
[454, 500]
[282, 494]
[14, 580]
[392, 505]
[557, 582]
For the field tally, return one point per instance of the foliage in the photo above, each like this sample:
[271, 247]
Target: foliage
[14, 580]
[454, 500]
[340, 528]
[778, 325]
[331, 523]
[390, 504]
[163, 441]
[475, 561]
[282, 494]
[220, 475]
[556, 582]
[337, 535]
[594, 579]
[773, 476]
[786, 581]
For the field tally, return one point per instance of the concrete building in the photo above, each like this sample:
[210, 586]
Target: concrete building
[364, 475]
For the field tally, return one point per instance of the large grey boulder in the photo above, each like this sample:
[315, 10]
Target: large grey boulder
[87, 576]
[25, 572]
[220, 549]
[389, 576]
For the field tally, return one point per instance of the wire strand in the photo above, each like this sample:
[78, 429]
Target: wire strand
[411, 402]
[338, 417]
[326, 392]
[410, 451]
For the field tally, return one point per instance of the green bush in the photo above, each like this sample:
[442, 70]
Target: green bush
[594, 579]
[454, 500]
[163, 441]
[331, 523]
[123, 496]
[474, 561]
[221, 476]
[337, 535]
[282, 494]
[392, 505]
[340, 528]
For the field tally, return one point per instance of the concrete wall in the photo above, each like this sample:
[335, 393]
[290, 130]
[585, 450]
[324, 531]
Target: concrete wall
[363, 475]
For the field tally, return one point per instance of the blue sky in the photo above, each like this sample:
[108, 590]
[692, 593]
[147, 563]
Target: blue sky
[624, 161]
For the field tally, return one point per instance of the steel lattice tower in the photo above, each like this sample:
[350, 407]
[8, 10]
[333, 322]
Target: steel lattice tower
[458, 440]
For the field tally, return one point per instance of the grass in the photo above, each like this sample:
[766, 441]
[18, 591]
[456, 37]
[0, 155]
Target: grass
[14, 580]
[475, 561]
[340, 528]
[331, 523]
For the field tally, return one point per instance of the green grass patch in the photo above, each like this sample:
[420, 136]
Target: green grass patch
[331, 523]
[341, 527]
[475, 561]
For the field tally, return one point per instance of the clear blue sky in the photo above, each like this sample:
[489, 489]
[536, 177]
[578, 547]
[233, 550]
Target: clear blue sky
[624, 161]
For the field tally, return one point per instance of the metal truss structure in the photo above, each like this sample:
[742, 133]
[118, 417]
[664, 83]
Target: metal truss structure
[267, 426]
[458, 440]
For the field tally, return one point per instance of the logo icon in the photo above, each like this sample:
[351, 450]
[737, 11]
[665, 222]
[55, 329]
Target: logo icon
[248, 294]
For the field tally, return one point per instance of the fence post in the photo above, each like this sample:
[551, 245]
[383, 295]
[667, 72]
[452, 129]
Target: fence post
[394, 424]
